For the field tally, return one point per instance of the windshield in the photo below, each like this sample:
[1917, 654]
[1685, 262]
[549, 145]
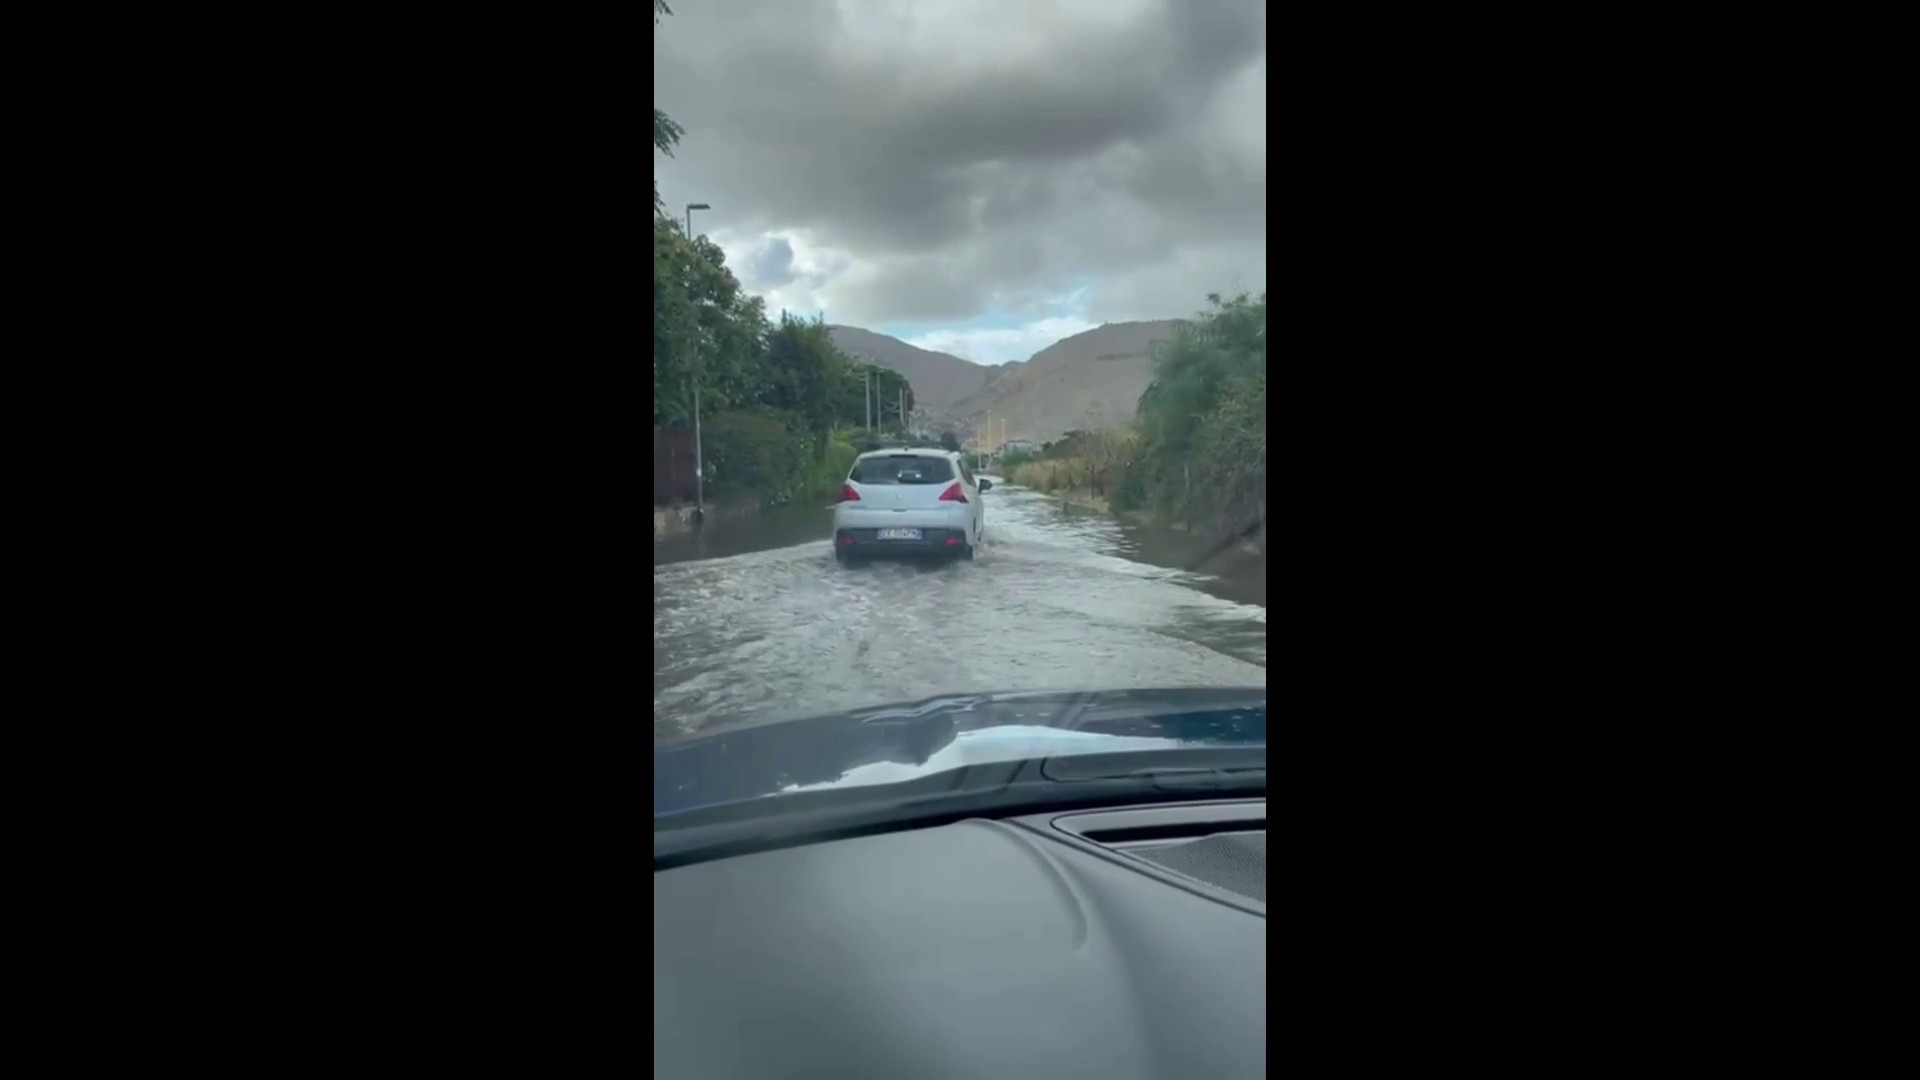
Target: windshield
[1029, 235]
[901, 470]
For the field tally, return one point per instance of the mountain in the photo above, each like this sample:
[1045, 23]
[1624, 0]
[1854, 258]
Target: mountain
[938, 379]
[1088, 381]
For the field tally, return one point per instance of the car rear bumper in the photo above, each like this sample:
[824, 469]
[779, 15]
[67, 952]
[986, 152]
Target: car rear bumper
[933, 541]
[854, 516]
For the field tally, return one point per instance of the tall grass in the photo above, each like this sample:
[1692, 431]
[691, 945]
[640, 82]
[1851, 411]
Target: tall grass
[1062, 474]
[1011, 462]
[1071, 479]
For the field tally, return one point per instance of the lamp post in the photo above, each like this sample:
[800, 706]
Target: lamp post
[699, 468]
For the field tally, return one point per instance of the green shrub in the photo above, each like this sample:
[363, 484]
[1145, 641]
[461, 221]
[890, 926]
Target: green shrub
[1201, 454]
[830, 471]
[754, 454]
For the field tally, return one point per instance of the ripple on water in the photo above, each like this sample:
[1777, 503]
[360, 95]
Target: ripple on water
[1047, 604]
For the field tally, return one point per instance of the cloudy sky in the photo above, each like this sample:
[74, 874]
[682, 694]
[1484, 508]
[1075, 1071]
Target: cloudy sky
[980, 177]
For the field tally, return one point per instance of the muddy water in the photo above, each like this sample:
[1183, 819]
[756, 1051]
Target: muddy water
[754, 620]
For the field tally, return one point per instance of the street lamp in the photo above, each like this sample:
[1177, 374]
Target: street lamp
[699, 467]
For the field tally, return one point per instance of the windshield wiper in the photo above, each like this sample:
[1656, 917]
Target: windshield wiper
[993, 790]
[1201, 779]
[1198, 766]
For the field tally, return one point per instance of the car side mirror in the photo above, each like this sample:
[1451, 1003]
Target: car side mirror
[985, 484]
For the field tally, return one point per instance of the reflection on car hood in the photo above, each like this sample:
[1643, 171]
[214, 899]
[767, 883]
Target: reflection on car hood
[893, 743]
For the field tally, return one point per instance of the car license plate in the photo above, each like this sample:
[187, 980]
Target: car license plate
[899, 534]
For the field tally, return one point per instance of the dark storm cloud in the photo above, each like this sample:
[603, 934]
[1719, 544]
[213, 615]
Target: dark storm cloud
[974, 148]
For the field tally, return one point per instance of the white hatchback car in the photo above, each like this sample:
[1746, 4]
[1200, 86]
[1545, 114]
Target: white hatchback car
[909, 502]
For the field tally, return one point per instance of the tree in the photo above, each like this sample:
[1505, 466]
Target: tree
[666, 133]
[1202, 453]
[706, 329]
[769, 395]
[804, 374]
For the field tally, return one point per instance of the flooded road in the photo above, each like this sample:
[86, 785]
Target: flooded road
[755, 621]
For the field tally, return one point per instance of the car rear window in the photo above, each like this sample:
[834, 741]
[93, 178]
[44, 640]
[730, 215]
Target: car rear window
[902, 469]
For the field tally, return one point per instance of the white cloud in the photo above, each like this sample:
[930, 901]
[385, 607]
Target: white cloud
[1000, 346]
[815, 270]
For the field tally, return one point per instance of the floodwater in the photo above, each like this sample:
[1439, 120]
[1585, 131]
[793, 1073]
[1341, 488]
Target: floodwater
[755, 621]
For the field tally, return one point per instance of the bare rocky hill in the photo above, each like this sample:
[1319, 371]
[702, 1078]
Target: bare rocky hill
[939, 380]
[1089, 381]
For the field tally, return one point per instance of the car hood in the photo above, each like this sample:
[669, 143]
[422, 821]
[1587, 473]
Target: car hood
[894, 743]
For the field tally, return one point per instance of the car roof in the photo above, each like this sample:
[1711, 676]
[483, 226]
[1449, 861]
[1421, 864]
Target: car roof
[914, 451]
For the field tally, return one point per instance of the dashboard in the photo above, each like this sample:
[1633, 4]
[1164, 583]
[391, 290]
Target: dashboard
[1112, 943]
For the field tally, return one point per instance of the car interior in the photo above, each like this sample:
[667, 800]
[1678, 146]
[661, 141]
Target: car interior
[1118, 941]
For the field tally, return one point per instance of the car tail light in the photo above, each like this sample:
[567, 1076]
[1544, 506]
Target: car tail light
[952, 494]
[847, 494]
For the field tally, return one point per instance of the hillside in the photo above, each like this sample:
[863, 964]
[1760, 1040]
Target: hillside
[939, 380]
[1088, 381]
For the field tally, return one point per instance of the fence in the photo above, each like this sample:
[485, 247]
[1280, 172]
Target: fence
[673, 476]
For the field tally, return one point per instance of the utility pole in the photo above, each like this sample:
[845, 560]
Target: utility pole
[699, 468]
[903, 409]
[866, 395]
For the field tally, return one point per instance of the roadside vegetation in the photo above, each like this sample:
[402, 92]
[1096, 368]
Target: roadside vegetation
[782, 411]
[1195, 454]
[1082, 467]
[1201, 459]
